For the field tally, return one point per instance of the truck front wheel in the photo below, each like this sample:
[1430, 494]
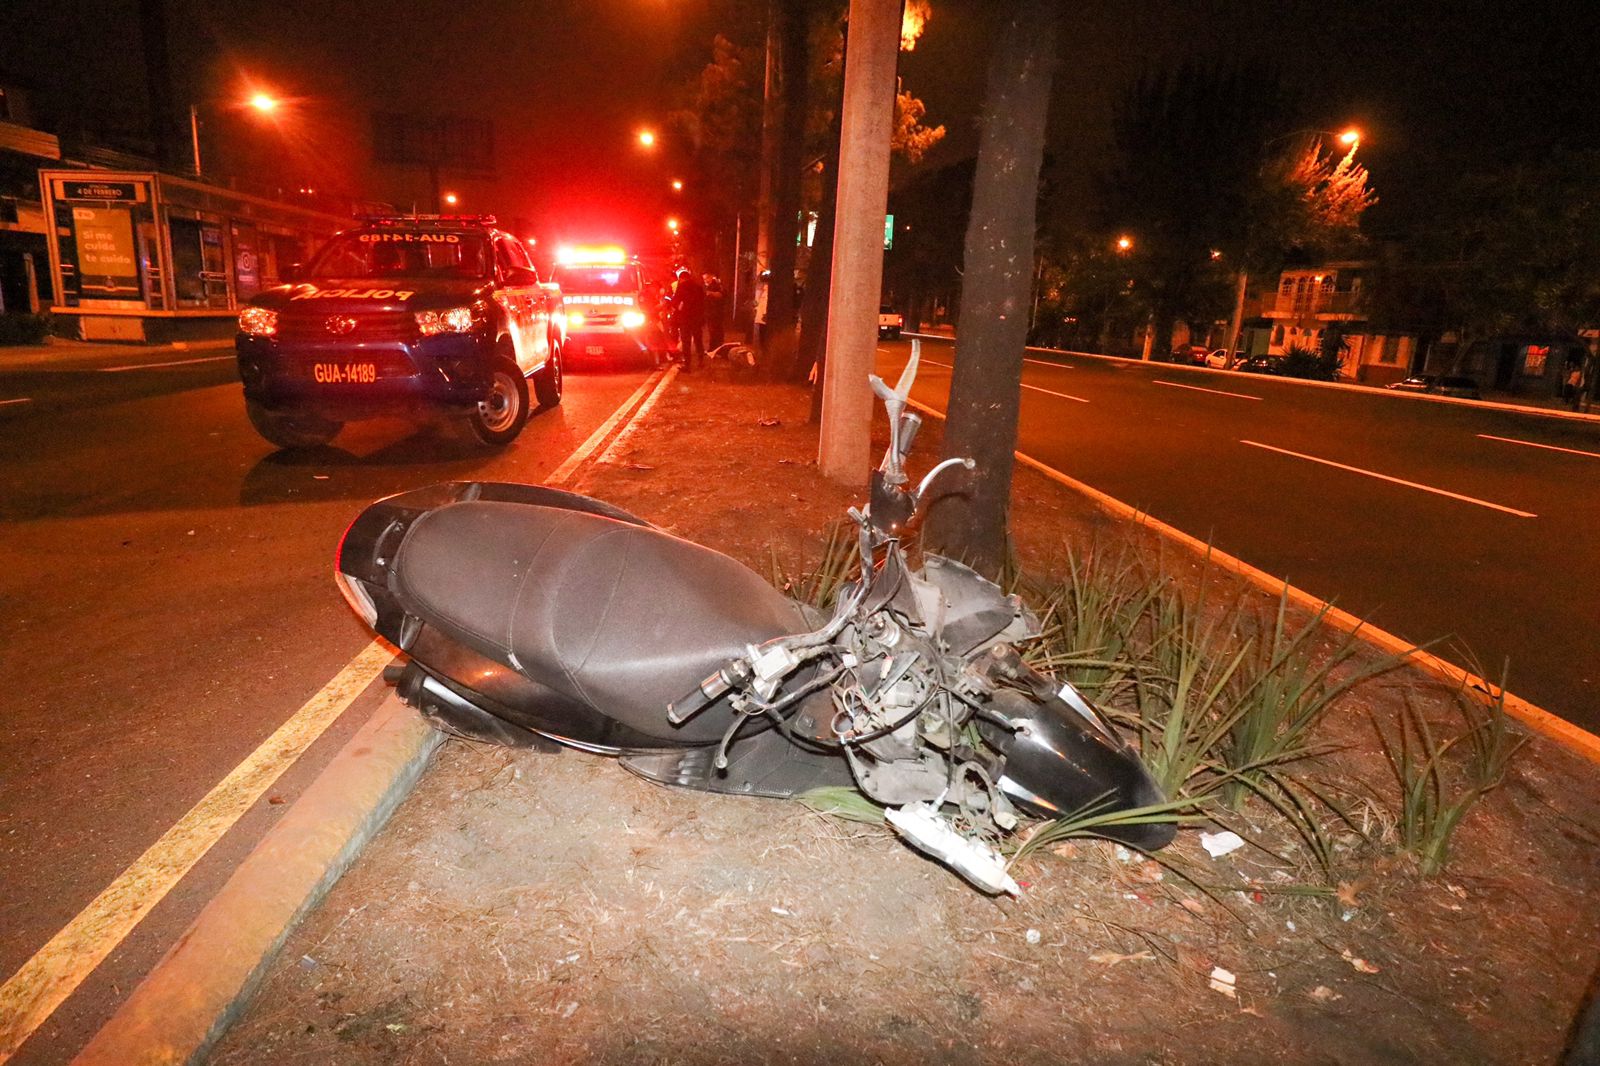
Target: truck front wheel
[547, 381]
[501, 414]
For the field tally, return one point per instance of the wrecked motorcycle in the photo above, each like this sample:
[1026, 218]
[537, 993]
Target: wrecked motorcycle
[534, 617]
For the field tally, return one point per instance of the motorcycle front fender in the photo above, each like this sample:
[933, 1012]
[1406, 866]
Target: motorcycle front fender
[1061, 764]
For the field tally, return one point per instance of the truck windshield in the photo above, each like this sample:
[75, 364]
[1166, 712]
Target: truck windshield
[596, 279]
[403, 254]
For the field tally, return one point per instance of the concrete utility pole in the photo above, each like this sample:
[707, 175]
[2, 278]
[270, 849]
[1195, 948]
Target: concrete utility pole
[863, 197]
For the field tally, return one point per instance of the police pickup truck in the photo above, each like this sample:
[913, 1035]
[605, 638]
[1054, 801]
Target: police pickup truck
[414, 315]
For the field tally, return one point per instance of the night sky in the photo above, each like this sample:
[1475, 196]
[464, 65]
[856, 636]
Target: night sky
[1435, 87]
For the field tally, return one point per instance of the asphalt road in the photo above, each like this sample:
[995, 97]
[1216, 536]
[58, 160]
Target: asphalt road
[166, 602]
[1494, 545]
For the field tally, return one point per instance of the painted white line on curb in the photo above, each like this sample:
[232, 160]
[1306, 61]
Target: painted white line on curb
[1536, 718]
[1536, 444]
[1197, 388]
[170, 362]
[1394, 480]
[56, 970]
[614, 448]
[44, 982]
[24, 399]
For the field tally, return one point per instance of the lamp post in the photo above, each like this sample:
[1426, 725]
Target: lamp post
[261, 102]
[1351, 139]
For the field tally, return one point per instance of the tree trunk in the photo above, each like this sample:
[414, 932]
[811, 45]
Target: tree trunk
[794, 46]
[986, 385]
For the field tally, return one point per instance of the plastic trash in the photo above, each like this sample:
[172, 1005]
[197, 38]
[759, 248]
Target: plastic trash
[1219, 844]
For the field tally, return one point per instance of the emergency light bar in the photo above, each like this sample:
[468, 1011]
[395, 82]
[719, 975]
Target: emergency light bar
[404, 220]
[606, 255]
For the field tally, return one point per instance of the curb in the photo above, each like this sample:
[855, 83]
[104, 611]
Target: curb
[1369, 390]
[183, 1006]
[1576, 739]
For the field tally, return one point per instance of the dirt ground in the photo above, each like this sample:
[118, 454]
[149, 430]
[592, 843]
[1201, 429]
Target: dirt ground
[554, 909]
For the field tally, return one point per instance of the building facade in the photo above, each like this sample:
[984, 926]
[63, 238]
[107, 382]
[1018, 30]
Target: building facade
[1313, 306]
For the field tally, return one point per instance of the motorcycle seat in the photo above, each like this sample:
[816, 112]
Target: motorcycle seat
[620, 617]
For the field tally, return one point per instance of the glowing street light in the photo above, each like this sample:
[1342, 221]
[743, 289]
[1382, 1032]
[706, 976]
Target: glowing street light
[1124, 243]
[677, 186]
[452, 199]
[672, 224]
[647, 138]
[1350, 137]
[259, 101]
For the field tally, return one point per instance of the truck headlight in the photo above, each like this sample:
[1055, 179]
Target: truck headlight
[260, 321]
[632, 319]
[450, 320]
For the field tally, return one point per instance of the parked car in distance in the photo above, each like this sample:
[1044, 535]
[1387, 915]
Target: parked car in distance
[890, 323]
[1260, 364]
[1190, 355]
[1218, 359]
[1463, 388]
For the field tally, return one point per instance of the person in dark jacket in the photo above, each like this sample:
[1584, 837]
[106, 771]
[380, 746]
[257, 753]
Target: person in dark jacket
[716, 310]
[689, 318]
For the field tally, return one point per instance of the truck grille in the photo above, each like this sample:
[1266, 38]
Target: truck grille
[369, 326]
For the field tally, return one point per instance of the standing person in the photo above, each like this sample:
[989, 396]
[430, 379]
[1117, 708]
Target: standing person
[716, 311]
[689, 316]
[1575, 384]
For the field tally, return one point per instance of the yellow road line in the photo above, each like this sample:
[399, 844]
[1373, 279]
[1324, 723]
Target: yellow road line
[614, 449]
[564, 472]
[45, 981]
[58, 968]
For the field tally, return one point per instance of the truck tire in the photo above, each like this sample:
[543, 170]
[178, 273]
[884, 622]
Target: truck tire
[291, 431]
[548, 381]
[500, 415]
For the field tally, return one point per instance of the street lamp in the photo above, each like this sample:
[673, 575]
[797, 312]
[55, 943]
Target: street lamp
[261, 102]
[1124, 243]
[672, 224]
[1350, 137]
[677, 185]
[451, 198]
[647, 138]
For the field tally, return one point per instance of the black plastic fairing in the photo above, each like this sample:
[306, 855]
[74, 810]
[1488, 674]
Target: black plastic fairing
[1060, 765]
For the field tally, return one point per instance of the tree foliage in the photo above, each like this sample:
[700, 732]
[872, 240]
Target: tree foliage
[1513, 250]
[1211, 178]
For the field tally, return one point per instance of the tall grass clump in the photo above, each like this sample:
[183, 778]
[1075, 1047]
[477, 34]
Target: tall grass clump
[1182, 710]
[817, 583]
[1282, 692]
[1090, 620]
[1441, 778]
